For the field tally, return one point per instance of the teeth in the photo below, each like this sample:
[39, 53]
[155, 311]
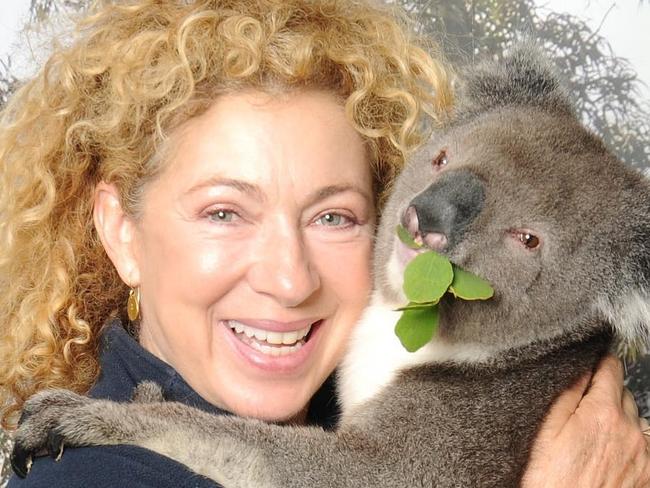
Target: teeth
[289, 337]
[260, 334]
[293, 339]
[274, 337]
[274, 351]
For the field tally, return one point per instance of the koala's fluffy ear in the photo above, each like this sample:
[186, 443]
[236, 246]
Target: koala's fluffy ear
[626, 305]
[524, 77]
[629, 315]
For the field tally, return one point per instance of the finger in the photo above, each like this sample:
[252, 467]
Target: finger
[607, 382]
[565, 406]
[643, 479]
[629, 405]
[641, 464]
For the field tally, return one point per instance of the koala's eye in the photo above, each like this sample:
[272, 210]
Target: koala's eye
[440, 160]
[531, 241]
[525, 237]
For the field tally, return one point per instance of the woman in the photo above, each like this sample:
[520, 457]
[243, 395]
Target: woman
[220, 166]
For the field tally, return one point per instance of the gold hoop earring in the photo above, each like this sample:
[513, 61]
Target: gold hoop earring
[133, 304]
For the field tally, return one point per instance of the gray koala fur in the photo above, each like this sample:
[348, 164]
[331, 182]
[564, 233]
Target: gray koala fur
[463, 410]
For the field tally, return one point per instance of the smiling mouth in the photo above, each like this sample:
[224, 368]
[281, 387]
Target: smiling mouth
[269, 342]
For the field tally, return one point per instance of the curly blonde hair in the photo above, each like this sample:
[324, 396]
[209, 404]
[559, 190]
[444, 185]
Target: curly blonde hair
[100, 110]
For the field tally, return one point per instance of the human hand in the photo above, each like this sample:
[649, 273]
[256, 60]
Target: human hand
[592, 437]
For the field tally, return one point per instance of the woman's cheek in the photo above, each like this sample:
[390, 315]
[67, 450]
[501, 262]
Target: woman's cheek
[346, 267]
[215, 270]
[210, 262]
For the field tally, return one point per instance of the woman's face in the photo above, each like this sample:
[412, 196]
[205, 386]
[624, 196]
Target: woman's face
[253, 250]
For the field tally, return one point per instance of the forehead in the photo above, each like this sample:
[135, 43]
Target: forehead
[258, 137]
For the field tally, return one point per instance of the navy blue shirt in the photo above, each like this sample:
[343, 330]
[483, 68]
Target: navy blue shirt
[124, 364]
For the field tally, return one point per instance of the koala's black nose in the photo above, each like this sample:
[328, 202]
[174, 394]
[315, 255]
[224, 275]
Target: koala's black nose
[445, 209]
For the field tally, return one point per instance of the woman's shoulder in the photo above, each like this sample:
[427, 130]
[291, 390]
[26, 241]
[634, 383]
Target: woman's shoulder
[108, 467]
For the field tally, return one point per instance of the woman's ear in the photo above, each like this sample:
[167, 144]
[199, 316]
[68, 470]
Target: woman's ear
[116, 231]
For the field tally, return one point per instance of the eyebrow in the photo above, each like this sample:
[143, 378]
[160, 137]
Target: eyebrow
[327, 191]
[242, 186]
[257, 193]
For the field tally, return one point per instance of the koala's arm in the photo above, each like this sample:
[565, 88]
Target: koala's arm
[232, 451]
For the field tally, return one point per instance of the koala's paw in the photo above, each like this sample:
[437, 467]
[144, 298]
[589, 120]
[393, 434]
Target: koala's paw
[148, 392]
[41, 414]
[54, 418]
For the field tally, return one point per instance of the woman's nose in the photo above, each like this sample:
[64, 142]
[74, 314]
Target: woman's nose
[283, 270]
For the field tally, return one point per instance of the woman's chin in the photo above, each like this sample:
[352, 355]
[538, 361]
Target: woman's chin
[291, 410]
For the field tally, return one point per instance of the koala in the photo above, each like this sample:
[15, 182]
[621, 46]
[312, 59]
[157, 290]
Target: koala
[513, 189]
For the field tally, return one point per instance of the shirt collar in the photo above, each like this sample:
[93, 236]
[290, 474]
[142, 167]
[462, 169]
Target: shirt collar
[125, 363]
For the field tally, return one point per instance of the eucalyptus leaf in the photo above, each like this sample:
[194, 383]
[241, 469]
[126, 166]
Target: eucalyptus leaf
[415, 306]
[406, 237]
[416, 327]
[427, 277]
[468, 286]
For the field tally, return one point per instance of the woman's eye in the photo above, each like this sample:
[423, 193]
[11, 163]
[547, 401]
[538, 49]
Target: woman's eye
[332, 220]
[531, 241]
[221, 215]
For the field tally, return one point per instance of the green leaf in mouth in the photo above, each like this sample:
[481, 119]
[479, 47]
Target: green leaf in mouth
[416, 306]
[416, 327]
[468, 286]
[427, 277]
[406, 238]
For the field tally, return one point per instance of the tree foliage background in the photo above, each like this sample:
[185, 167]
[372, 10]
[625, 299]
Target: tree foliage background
[605, 86]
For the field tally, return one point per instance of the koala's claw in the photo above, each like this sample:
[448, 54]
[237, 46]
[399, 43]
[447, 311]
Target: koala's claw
[55, 445]
[21, 461]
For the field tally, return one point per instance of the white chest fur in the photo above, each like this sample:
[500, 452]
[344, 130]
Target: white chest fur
[375, 355]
